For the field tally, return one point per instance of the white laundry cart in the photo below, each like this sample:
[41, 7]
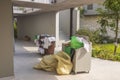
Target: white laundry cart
[82, 60]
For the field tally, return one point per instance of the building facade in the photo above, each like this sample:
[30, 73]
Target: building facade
[90, 19]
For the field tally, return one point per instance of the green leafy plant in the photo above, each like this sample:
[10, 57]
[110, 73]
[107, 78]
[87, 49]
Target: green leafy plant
[104, 51]
[94, 36]
[110, 18]
[86, 32]
[82, 10]
[15, 29]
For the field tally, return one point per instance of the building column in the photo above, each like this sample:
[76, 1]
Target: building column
[57, 29]
[78, 20]
[6, 39]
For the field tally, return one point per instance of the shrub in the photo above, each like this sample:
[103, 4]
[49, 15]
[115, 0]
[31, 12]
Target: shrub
[86, 32]
[96, 37]
[105, 51]
[15, 29]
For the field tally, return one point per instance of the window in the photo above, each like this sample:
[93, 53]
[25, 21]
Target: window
[90, 7]
[53, 1]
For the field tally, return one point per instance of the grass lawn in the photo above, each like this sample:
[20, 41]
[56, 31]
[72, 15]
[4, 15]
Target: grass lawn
[105, 51]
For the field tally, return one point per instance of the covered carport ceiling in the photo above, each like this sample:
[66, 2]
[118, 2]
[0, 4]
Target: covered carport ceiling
[66, 4]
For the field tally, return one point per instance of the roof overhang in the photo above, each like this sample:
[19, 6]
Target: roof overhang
[66, 4]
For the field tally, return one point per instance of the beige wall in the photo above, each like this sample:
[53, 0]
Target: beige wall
[46, 23]
[90, 22]
[36, 24]
[92, 11]
[6, 39]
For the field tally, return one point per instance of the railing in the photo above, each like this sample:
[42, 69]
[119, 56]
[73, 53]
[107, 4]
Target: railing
[22, 10]
[29, 10]
[41, 1]
[18, 10]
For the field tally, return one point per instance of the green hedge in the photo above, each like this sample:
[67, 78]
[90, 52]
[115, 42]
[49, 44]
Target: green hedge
[105, 51]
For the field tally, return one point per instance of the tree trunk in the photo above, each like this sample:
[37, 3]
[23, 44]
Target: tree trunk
[116, 34]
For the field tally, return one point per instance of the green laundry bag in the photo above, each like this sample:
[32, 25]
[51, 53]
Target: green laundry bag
[67, 49]
[75, 43]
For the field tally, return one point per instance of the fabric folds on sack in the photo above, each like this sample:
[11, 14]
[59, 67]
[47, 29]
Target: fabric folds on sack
[60, 62]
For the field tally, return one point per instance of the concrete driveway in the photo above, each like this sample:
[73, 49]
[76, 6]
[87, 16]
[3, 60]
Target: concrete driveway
[26, 56]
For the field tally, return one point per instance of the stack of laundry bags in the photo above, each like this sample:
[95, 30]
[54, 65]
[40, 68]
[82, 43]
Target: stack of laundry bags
[45, 43]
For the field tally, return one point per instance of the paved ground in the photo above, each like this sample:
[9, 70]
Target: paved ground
[26, 57]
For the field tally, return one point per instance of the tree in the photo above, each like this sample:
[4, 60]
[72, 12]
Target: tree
[110, 17]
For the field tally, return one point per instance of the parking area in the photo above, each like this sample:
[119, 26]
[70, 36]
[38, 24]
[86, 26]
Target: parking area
[26, 56]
